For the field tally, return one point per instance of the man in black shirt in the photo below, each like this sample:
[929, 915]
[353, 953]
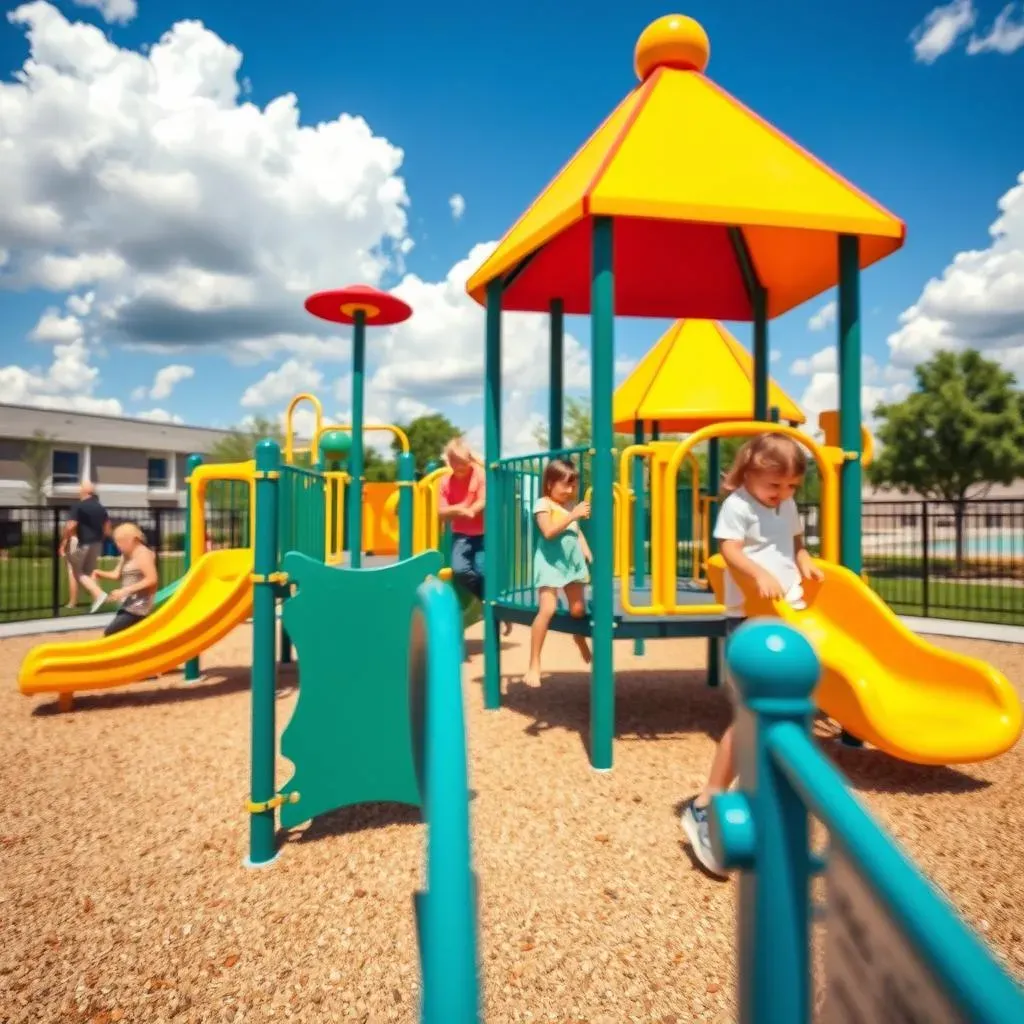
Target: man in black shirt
[89, 523]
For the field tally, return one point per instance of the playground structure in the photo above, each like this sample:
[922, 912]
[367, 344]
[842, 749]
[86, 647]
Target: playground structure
[755, 226]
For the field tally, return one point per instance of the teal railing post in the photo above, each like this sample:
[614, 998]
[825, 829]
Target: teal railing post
[406, 479]
[639, 523]
[602, 384]
[446, 911]
[191, 668]
[556, 374]
[762, 828]
[714, 472]
[761, 353]
[492, 509]
[262, 819]
[355, 460]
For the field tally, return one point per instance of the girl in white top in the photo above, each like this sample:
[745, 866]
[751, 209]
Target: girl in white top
[760, 536]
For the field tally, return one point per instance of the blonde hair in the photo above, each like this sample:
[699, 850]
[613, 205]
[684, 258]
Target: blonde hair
[766, 453]
[457, 446]
[127, 531]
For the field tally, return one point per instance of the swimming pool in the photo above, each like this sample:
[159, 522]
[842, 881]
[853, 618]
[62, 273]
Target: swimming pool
[987, 544]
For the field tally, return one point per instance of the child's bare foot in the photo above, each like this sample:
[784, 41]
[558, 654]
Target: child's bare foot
[506, 628]
[532, 677]
[584, 648]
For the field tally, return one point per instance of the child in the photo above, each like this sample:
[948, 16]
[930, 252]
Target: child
[760, 536]
[560, 559]
[137, 572]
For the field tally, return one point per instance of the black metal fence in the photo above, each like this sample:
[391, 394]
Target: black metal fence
[34, 580]
[923, 558]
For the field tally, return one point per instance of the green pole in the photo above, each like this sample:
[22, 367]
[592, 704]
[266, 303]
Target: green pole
[760, 302]
[406, 473]
[264, 666]
[639, 533]
[492, 509]
[355, 461]
[602, 383]
[849, 403]
[655, 431]
[191, 669]
[714, 473]
[285, 645]
[555, 378]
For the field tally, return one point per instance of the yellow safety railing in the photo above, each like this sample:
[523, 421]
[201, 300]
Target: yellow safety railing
[399, 434]
[621, 553]
[664, 581]
[290, 451]
[200, 479]
[427, 502]
[335, 484]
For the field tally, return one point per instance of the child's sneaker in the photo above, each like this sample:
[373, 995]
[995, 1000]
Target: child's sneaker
[697, 828]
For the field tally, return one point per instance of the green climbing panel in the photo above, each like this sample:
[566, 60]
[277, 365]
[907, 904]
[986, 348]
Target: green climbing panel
[350, 737]
[472, 609]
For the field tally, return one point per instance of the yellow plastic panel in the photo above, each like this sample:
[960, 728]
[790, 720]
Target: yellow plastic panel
[888, 686]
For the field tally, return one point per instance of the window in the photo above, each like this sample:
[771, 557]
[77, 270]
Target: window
[157, 477]
[65, 468]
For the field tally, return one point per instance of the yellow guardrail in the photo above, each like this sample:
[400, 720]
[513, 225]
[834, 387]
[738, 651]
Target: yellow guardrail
[200, 479]
[322, 428]
[335, 484]
[290, 451]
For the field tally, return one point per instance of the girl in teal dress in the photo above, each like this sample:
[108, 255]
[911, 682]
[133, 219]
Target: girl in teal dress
[560, 559]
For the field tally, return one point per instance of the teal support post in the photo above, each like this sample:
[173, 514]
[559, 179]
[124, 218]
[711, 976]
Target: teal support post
[355, 460]
[406, 477]
[602, 384]
[556, 385]
[762, 829]
[639, 522]
[285, 646]
[761, 354]
[655, 431]
[774, 414]
[191, 668]
[492, 509]
[714, 473]
[264, 664]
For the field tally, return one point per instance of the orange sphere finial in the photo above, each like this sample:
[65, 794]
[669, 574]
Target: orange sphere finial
[674, 41]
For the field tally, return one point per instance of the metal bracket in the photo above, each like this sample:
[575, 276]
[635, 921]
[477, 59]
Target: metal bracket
[274, 577]
[258, 807]
[405, 483]
[266, 474]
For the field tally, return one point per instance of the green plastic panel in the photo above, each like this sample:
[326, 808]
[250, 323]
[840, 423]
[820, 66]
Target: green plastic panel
[350, 737]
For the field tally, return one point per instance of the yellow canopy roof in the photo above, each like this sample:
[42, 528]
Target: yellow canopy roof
[696, 375]
[695, 182]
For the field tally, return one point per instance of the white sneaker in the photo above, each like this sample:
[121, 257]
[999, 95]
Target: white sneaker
[98, 603]
[697, 828]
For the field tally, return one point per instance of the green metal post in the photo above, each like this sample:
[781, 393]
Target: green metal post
[355, 461]
[761, 355]
[285, 645]
[406, 473]
[191, 669]
[639, 518]
[492, 509]
[602, 384]
[655, 431]
[264, 665]
[555, 378]
[714, 473]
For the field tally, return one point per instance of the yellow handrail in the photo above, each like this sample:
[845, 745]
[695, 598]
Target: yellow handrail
[400, 435]
[200, 478]
[335, 483]
[426, 525]
[290, 451]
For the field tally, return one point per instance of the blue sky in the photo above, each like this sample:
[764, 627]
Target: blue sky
[487, 101]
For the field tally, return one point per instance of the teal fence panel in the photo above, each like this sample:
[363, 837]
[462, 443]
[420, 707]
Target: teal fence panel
[301, 512]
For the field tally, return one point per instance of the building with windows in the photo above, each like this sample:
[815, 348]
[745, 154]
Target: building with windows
[133, 463]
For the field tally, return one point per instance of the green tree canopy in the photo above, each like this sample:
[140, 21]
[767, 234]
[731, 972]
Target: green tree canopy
[37, 458]
[427, 437]
[959, 433]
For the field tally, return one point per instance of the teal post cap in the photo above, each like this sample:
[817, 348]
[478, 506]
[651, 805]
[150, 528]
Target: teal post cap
[771, 660]
[267, 451]
[733, 836]
[335, 445]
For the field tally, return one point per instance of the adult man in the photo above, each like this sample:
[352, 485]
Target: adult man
[89, 523]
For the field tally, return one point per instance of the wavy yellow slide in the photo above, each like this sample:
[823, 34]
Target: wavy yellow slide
[210, 601]
[887, 685]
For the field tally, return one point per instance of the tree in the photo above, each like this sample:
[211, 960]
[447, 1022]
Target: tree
[240, 444]
[959, 433]
[427, 437]
[38, 461]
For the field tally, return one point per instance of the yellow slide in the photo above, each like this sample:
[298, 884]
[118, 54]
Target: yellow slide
[887, 685]
[210, 601]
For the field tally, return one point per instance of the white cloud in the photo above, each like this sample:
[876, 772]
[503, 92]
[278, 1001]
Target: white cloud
[164, 382]
[825, 317]
[196, 217]
[775, 356]
[159, 416]
[941, 28]
[117, 12]
[280, 385]
[823, 361]
[457, 204]
[978, 302]
[53, 328]
[1006, 35]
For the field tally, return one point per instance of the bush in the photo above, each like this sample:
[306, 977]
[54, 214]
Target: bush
[34, 545]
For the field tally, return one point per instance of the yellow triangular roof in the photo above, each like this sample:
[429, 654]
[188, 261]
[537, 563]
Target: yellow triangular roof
[696, 375]
[678, 164]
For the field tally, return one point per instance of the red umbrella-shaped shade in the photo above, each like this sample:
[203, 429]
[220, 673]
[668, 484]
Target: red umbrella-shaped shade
[340, 306]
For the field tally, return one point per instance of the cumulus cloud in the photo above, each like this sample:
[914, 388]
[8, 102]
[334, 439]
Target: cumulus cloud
[825, 317]
[280, 385]
[1006, 35]
[938, 33]
[164, 382]
[159, 416]
[977, 302]
[457, 204]
[116, 12]
[194, 216]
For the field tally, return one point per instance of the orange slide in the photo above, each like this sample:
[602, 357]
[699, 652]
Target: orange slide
[214, 597]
